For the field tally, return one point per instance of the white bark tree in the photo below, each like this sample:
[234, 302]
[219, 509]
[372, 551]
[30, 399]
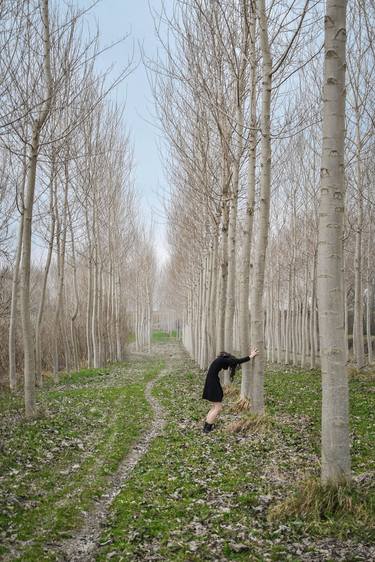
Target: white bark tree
[257, 315]
[37, 127]
[335, 405]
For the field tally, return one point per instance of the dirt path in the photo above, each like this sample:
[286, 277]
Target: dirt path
[83, 545]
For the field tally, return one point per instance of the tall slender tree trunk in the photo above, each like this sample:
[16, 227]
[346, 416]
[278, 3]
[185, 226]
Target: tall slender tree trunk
[27, 329]
[110, 311]
[15, 286]
[278, 311]
[60, 309]
[335, 401]
[100, 321]
[257, 314]
[369, 294]
[232, 234]
[247, 231]
[212, 302]
[220, 342]
[287, 319]
[73, 317]
[90, 360]
[149, 315]
[305, 339]
[200, 312]
[311, 318]
[230, 294]
[117, 317]
[94, 319]
[248, 223]
[358, 339]
[346, 319]
[38, 358]
[13, 311]
[222, 283]
[28, 340]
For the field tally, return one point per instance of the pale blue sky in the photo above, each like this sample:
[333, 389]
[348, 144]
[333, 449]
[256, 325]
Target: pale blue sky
[115, 18]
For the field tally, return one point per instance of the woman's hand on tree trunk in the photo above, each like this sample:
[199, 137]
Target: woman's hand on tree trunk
[253, 353]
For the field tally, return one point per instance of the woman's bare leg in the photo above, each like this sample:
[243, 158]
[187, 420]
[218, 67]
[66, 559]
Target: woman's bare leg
[214, 412]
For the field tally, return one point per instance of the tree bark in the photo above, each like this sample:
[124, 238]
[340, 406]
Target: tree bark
[257, 315]
[28, 343]
[13, 311]
[232, 233]
[73, 317]
[38, 360]
[220, 342]
[335, 401]
[94, 319]
[117, 317]
[61, 233]
[369, 294]
[358, 339]
[247, 231]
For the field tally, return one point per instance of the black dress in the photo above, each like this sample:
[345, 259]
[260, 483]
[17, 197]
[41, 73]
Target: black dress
[212, 388]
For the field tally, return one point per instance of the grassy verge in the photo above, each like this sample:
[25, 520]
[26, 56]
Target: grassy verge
[209, 497]
[159, 336]
[298, 394]
[53, 467]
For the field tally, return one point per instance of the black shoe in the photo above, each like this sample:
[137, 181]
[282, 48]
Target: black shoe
[208, 427]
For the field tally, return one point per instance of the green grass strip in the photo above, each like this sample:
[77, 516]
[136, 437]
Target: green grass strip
[53, 467]
[209, 497]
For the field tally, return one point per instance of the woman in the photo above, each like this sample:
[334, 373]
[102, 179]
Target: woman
[213, 391]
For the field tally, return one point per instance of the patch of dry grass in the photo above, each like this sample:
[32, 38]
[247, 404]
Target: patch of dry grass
[242, 404]
[249, 423]
[365, 374]
[316, 503]
[230, 390]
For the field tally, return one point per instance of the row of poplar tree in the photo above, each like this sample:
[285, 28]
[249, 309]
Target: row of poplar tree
[71, 241]
[272, 210]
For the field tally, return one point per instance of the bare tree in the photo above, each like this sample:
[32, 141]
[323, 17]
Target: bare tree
[37, 126]
[335, 406]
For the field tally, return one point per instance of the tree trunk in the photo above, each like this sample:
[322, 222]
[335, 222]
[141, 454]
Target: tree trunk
[100, 322]
[90, 360]
[95, 313]
[212, 303]
[369, 296]
[220, 342]
[305, 344]
[287, 320]
[13, 311]
[232, 232]
[358, 339]
[28, 340]
[29, 371]
[335, 400]
[205, 313]
[117, 317]
[73, 330]
[61, 234]
[38, 359]
[247, 232]
[257, 315]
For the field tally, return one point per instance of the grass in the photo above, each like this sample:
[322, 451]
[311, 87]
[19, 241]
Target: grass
[248, 423]
[53, 467]
[298, 393]
[247, 491]
[340, 506]
[209, 497]
[159, 336]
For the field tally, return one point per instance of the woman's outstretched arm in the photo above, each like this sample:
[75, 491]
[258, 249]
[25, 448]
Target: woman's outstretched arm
[253, 353]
